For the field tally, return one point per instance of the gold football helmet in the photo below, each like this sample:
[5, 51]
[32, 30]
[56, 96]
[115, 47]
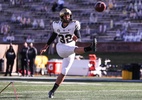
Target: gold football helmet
[65, 11]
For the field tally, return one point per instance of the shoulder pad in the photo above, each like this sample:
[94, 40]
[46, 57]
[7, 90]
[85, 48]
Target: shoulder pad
[55, 24]
[77, 24]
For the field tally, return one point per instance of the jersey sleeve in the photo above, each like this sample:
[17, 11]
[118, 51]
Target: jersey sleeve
[55, 26]
[77, 26]
[52, 38]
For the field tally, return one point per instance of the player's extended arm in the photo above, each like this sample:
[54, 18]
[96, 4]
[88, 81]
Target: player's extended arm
[77, 35]
[51, 39]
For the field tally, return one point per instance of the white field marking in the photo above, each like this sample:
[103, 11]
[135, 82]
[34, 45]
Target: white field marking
[25, 92]
[67, 84]
[31, 92]
[120, 90]
[78, 83]
[51, 84]
[28, 82]
[29, 85]
[38, 82]
[45, 85]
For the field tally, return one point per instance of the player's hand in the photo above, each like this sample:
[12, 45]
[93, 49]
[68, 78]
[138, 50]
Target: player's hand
[44, 49]
[75, 38]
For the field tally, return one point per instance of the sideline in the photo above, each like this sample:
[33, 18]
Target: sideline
[67, 79]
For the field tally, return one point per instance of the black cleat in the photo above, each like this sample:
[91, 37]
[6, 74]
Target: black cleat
[50, 94]
[94, 45]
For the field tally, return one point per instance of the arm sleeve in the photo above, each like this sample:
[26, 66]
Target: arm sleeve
[52, 38]
[77, 33]
[77, 29]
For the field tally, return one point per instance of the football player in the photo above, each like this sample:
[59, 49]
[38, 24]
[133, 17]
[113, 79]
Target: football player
[68, 32]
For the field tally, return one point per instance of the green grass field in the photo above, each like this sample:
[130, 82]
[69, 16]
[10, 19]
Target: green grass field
[73, 91]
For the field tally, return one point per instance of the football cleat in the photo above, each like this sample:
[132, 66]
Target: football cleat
[94, 45]
[50, 94]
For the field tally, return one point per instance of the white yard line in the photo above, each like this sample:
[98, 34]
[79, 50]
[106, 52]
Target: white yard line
[31, 92]
[47, 84]
[25, 92]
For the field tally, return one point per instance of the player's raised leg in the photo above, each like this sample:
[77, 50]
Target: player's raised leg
[92, 47]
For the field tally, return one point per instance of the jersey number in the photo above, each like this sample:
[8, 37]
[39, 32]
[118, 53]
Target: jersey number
[65, 38]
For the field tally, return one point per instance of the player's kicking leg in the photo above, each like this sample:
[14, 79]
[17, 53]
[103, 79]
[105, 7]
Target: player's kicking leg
[92, 47]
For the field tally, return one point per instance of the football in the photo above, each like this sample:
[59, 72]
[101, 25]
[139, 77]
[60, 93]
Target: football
[100, 6]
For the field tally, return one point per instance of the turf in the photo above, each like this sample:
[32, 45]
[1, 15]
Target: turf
[73, 91]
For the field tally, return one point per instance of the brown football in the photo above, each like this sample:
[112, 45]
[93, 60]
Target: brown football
[100, 6]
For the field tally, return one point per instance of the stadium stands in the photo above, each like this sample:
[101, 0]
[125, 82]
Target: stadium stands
[116, 13]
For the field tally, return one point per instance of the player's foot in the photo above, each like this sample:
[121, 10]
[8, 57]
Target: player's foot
[50, 94]
[94, 45]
